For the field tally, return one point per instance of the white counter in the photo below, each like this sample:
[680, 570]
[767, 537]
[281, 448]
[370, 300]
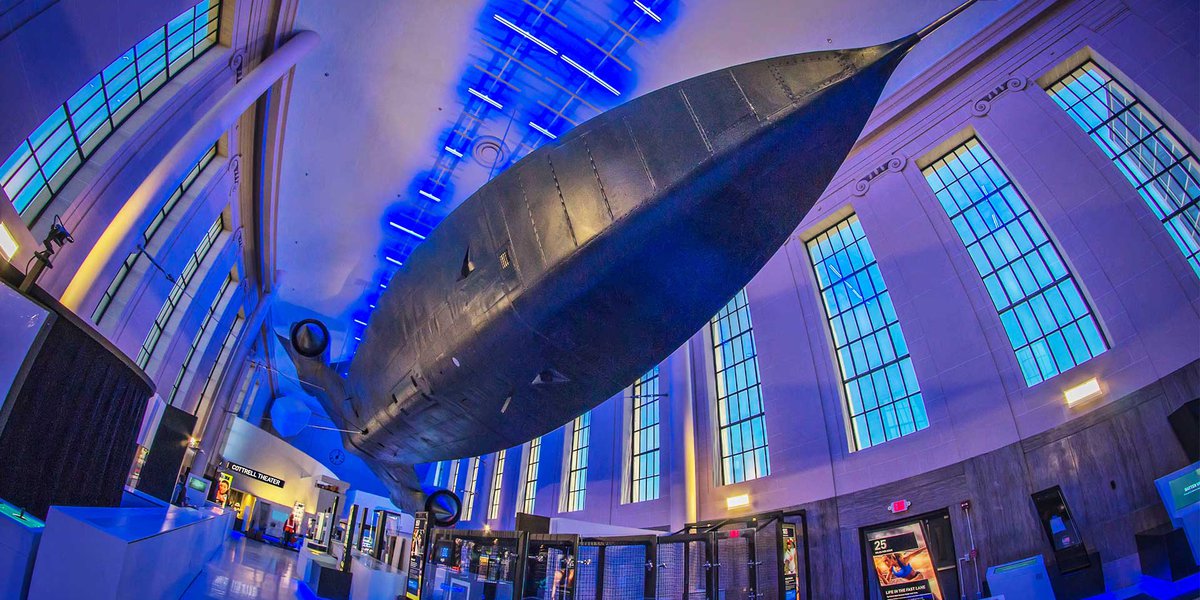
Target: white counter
[112, 553]
[19, 535]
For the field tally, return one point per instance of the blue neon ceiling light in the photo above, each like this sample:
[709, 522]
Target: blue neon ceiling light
[540, 68]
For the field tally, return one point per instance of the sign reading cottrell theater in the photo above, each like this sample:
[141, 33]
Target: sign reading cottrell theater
[248, 472]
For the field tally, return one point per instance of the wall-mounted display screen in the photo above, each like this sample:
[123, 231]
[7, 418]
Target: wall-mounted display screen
[1180, 490]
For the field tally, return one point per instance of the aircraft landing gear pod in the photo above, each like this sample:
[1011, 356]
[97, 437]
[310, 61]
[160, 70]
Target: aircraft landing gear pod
[444, 508]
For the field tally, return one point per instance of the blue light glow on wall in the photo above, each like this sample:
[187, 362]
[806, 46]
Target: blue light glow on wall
[539, 68]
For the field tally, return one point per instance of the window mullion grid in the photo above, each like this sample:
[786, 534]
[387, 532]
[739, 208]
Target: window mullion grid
[842, 278]
[17, 169]
[842, 243]
[1140, 141]
[74, 133]
[33, 154]
[1176, 162]
[1148, 189]
[1180, 211]
[1015, 283]
[645, 406]
[108, 113]
[166, 44]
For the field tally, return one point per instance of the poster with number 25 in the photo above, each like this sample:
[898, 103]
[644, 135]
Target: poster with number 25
[903, 564]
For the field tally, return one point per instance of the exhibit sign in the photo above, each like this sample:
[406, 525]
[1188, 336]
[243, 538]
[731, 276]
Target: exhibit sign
[248, 472]
[791, 564]
[416, 561]
[903, 564]
[224, 484]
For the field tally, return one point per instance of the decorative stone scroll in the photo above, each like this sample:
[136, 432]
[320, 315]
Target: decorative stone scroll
[237, 63]
[235, 168]
[983, 105]
[894, 164]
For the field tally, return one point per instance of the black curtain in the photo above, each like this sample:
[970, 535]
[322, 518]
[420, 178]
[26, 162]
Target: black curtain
[70, 436]
[161, 470]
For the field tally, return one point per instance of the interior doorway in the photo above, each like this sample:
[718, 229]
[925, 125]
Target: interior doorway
[912, 557]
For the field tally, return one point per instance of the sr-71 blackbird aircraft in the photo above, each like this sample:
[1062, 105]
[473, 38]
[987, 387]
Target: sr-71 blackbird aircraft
[589, 261]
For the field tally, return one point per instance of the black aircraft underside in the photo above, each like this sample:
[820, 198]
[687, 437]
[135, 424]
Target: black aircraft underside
[577, 270]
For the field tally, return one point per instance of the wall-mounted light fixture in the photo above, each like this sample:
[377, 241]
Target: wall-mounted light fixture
[1085, 391]
[739, 501]
[8, 243]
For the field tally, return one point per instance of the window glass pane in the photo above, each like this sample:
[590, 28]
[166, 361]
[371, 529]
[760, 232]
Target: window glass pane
[1162, 170]
[468, 496]
[882, 395]
[739, 396]
[210, 319]
[76, 128]
[177, 291]
[1041, 298]
[497, 484]
[577, 463]
[114, 287]
[644, 452]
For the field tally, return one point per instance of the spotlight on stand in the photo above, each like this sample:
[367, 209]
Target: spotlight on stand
[57, 237]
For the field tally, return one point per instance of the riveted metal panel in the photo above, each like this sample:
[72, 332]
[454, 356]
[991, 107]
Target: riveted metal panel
[720, 109]
[585, 202]
[549, 213]
[667, 137]
[619, 167]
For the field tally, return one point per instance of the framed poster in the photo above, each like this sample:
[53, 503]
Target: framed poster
[903, 565]
[224, 483]
[791, 563]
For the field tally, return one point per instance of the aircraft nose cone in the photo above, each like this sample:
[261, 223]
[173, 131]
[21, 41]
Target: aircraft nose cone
[310, 338]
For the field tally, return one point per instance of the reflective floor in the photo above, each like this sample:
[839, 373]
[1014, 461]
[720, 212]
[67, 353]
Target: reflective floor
[247, 569]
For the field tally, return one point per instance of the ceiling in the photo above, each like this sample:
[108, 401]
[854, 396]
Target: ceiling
[393, 85]
[374, 108]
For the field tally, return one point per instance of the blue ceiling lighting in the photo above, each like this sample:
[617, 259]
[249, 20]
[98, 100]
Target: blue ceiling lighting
[430, 196]
[539, 68]
[542, 130]
[407, 230]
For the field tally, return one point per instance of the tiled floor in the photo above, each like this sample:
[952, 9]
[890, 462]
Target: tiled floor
[247, 569]
[1150, 588]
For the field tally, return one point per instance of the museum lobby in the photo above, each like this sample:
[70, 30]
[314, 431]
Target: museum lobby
[600, 299]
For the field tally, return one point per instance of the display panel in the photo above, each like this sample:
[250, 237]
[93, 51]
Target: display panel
[791, 563]
[1180, 490]
[1070, 554]
[470, 564]
[224, 484]
[903, 564]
